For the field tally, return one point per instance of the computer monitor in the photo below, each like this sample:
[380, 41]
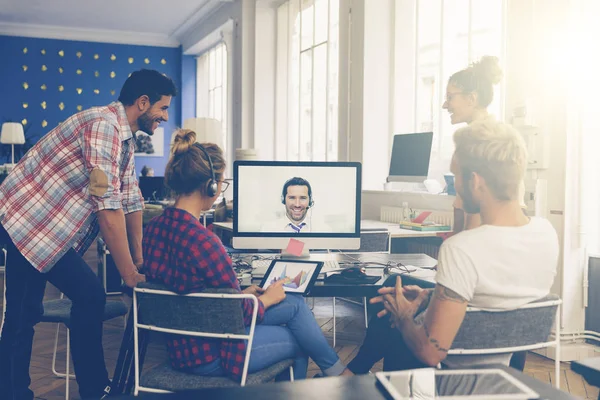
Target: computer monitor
[410, 157]
[317, 203]
[153, 188]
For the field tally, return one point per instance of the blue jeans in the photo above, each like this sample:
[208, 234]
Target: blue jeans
[300, 338]
[24, 307]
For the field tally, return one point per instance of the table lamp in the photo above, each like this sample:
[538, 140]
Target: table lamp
[12, 133]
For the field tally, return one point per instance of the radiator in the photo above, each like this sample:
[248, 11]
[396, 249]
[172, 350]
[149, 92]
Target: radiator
[394, 214]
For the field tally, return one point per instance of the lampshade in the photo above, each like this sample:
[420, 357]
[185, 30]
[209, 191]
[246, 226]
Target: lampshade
[12, 133]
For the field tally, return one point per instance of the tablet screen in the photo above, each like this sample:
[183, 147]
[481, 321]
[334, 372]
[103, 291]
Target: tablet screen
[297, 276]
[454, 384]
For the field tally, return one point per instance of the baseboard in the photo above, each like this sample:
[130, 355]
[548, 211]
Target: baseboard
[570, 351]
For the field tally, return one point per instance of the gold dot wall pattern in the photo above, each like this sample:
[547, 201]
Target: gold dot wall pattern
[47, 67]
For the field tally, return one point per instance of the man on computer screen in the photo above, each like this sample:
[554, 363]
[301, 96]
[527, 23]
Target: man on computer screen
[296, 196]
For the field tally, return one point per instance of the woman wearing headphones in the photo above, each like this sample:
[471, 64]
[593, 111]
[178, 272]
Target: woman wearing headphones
[182, 254]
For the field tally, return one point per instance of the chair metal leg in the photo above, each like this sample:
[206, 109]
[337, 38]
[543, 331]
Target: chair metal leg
[334, 322]
[557, 349]
[55, 350]
[366, 313]
[291, 373]
[68, 364]
[54, 371]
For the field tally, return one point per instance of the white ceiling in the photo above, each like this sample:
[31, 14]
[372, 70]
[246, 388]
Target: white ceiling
[135, 20]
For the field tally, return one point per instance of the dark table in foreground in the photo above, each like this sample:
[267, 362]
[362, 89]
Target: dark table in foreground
[589, 369]
[356, 387]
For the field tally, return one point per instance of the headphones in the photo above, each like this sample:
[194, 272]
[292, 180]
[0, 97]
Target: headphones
[297, 182]
[212, 186]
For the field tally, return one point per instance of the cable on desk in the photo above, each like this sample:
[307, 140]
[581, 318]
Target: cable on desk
[389, 266]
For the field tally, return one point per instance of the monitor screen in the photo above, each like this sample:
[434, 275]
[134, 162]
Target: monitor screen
[153, 188]
[279, 200]
[410, 157]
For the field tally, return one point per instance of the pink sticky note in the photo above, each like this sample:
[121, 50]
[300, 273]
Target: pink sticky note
[295, 247]
[422, 217]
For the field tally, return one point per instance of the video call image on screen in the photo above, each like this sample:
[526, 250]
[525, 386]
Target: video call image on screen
[295, 276]
[296, 199]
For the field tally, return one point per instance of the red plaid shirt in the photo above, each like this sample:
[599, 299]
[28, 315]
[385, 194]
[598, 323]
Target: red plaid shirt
[182, 254]
[46, 204]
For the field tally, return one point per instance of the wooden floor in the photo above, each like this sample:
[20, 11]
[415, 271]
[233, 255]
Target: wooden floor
[350, 332]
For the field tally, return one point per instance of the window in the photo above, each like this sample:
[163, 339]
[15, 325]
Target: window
[211, 92]
[451, 34]
[307, 80]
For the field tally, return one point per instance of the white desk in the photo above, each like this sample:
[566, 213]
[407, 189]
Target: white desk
[368, 226]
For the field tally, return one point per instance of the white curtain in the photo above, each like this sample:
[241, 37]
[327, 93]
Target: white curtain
[583, 67]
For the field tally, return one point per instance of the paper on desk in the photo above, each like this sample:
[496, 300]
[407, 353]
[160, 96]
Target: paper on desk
[295, 247]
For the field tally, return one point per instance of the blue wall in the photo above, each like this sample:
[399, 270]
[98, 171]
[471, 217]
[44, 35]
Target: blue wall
[100, 80]
[188, 87]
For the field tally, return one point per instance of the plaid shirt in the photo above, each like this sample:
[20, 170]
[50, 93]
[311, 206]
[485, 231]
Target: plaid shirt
[185, 256]
[45, 202]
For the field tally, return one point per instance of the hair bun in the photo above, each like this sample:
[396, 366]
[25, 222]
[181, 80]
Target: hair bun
[489, 69]
[184, 139]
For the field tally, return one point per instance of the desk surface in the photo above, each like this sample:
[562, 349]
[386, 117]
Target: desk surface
[355, 387]
[423, 276]
[368, 226]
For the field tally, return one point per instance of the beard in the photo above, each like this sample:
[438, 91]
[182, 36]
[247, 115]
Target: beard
[145, 122]
[290, 215]
[470, 206]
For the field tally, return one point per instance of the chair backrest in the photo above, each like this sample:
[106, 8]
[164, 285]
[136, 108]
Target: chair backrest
[212, 312]
[494, 332]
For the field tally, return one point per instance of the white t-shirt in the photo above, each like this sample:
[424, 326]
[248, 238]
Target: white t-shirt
[499, 268]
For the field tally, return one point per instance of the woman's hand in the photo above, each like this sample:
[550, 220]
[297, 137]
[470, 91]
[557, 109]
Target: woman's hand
[273, 295]
[254, 290]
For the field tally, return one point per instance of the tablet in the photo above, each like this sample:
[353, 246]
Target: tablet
[468, 384]
[298, 276]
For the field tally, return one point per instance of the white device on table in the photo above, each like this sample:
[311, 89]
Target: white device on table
[468, 384]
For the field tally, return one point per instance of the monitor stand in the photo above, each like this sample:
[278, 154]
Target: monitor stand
[286, 254]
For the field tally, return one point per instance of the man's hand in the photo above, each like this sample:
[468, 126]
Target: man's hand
[139, 263]
[400, 307]
[411, 292]
[254, 290]
[133, 279]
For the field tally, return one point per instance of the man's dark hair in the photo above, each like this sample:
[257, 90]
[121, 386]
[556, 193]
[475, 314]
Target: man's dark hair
[146, 82]
[295, 181]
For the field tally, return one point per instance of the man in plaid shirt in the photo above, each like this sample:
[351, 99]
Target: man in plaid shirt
[79, 179]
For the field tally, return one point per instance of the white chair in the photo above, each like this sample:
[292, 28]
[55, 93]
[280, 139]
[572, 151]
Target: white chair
[528, 327]
[214, 313]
